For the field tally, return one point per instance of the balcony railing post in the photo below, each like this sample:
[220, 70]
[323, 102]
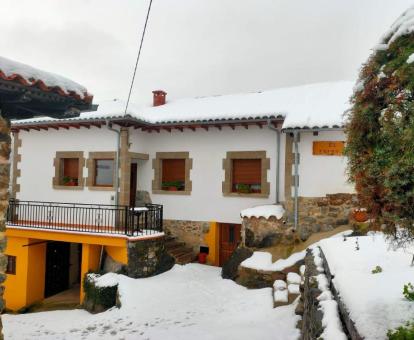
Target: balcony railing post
[126, 220]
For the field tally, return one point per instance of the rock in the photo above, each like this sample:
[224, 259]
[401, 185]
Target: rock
[279, 285]
[293, 278]
[110, 265]
[230, 267]
[252, 278]
[299, 308]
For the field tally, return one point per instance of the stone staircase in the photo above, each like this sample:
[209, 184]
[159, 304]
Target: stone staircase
[178, 250]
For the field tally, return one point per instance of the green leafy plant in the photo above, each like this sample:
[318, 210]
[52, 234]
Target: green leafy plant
[176, 184]
[243, 188]
[376, 270]
[408, 291]
[380, 137]
[402, 333]
[66, 180]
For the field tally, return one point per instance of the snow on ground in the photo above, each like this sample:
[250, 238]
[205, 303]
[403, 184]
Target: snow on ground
[187, 302]
[265, 211]
[375, 301]
[261, 260]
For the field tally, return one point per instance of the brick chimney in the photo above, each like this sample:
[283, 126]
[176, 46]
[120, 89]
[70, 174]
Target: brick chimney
[159, 97]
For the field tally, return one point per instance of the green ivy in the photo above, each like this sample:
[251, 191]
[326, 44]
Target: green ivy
[104, 297]
[408, 291]
[380, 137]
[402, 333]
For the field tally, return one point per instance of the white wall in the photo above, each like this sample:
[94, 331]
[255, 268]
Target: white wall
[321, 175]
[207, 149]
[38, 151]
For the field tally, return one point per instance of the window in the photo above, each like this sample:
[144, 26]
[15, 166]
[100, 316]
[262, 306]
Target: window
[172, 173]
[68, 170]
[101, 170]
[104, 172]
[245, 174]
[11, 265]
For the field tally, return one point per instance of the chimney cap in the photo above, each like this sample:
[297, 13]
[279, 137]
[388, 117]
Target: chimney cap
[158, 92]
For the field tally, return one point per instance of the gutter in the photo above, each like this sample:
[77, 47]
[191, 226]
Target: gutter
[118, 143]
[296, 135]
[271, 127]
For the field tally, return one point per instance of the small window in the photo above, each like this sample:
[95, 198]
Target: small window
[70, 171]
[104, 172]
[173, 174]
[247, 176]
[11, 265]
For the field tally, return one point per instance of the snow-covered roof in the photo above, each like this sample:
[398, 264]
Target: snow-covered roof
[29, 76]
[318, 105]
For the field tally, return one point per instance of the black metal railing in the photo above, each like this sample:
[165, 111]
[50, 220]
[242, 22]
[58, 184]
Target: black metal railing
[92, 218]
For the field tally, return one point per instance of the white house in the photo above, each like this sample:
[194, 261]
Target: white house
[203, 159]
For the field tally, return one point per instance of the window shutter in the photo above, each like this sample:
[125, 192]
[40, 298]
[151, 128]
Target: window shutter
[173, 170]
[247, 171]
[71, 167]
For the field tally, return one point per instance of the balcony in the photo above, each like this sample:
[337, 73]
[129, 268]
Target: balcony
[86, 218]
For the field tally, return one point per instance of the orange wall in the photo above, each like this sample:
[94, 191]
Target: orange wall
[90, 261]
[119, 254]
[36, 272]
[16, 285]
[212, 241]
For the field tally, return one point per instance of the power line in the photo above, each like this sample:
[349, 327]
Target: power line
[139, 53]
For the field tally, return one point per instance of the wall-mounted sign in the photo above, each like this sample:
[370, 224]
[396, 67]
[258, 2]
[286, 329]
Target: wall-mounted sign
[327, 148]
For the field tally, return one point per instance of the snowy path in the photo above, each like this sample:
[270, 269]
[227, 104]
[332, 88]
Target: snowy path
[188, 302]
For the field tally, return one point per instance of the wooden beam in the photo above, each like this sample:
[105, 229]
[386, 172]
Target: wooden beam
[63, 127]
[205, 127]
[180, 128]
[246, 126]
[191, 127]
[218, 126]
[166, 128]
[260, 124]
[43, 128]
[233, 126]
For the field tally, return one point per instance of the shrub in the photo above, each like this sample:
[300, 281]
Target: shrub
[408, 291]
[98, 299]
[380, 133]
[376, 270]
[402, 333]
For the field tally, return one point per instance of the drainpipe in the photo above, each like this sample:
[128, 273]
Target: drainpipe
[271, 127]
[296, 174]
[118, 143]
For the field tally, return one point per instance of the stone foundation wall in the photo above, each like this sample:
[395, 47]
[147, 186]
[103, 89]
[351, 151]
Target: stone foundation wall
[262, 232]
[321, 213]
[190, 232]
[148, 257]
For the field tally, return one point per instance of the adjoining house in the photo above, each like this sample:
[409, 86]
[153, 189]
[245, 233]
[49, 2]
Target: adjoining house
[201, 160]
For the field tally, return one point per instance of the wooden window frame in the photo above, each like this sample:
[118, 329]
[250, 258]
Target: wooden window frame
[157, 166]
[91, 165]
[58, 163]
[227, 185]
[11, 262]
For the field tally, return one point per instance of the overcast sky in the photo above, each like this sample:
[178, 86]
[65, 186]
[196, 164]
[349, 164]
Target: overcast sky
[195, 47]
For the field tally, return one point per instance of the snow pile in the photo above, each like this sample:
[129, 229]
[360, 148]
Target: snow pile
[265, 211]
[12, 69]
[375, 301]
[188, 302]
[330, 321]
[294, 289]
[261, 260]
[402, 26]
[281, 295]
[279, 285]
[313, 105]
[410, 59]
[293, 278]
[106, 280]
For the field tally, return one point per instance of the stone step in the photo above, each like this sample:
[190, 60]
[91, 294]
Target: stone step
[185, 258]
[173, 245]
[180, 251]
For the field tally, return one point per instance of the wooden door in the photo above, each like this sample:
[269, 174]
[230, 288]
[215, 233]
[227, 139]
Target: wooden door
[57, 267]
[230, 235]
[133, 185]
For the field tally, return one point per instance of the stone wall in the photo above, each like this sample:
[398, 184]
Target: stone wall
[321, 213]
[192, 233]
[262, 232]
[148, 257]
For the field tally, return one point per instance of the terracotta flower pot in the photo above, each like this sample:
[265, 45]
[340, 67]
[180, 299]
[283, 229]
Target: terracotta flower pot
[172, 189]
[360, 215]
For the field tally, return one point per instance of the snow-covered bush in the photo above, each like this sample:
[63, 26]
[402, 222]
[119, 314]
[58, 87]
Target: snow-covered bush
[100, 291]
[408, 291]
[380, 130]
[376, 270]
[402, 333]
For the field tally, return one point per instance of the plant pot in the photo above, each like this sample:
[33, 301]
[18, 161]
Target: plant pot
[172, 189]
[360, 215]
[202, 258]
